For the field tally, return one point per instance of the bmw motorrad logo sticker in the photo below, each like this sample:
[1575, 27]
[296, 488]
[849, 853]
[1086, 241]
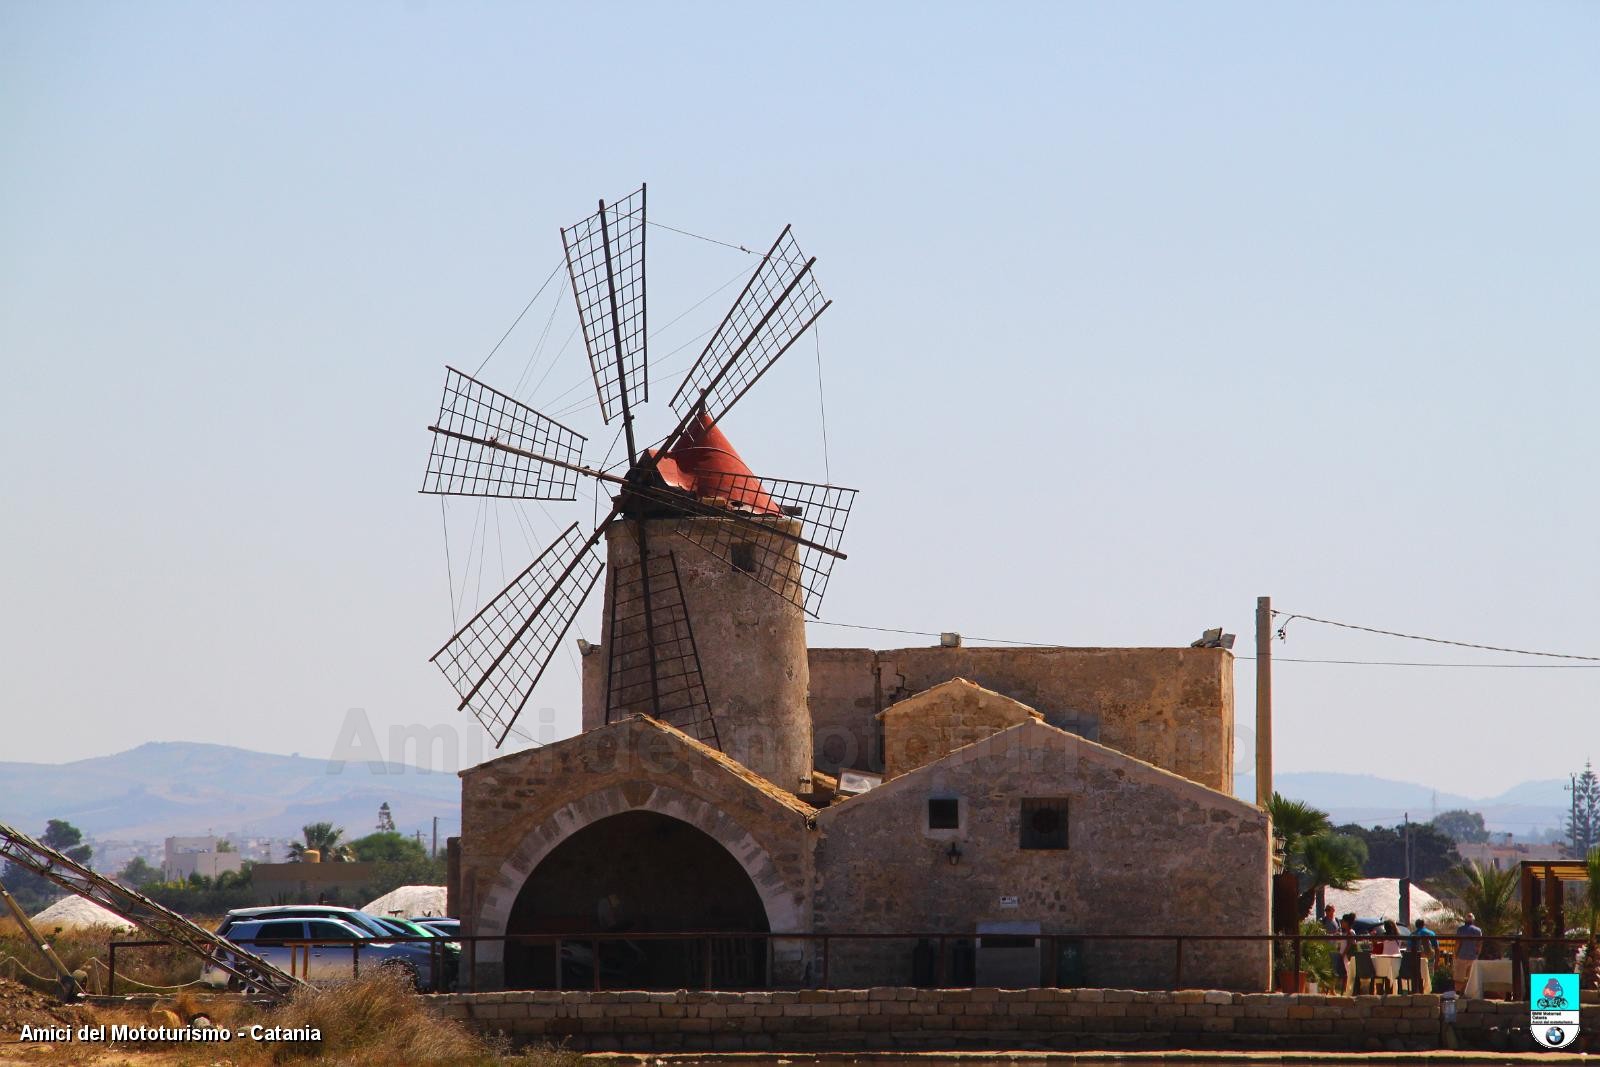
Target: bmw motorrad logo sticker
[1553, 1009]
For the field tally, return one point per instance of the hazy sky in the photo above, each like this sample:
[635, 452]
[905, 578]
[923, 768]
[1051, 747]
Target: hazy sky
[1141, 311]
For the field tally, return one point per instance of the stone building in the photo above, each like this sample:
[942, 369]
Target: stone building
[1028, 797]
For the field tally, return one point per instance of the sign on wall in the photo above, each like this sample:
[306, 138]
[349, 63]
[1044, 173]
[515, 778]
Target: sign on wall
[1553, 1009]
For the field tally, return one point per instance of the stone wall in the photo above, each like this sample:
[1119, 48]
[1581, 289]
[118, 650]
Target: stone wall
[934, 723]
[518, 808]
[890, 1018]
[751, 643]
[1147, 852]
[1171, 707]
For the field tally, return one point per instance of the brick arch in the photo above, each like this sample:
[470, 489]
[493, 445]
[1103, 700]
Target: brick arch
[777, 897]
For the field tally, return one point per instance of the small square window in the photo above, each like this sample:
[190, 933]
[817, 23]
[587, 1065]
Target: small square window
[1044, 823]
[743, 557]
[944, 814]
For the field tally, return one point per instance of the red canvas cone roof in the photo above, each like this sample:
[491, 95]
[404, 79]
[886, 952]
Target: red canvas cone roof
[705, 463]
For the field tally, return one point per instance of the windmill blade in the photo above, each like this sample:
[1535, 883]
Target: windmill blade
[789, 547]
[497, 658]
[488, 444]
[781, 300]
[654, 666]
[605, 259]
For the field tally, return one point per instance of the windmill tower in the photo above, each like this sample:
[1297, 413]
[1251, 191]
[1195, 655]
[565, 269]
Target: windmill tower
[710, 568]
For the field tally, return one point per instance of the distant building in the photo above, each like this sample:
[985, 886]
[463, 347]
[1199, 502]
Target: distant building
[183, 856]
[1501, 852]
[344, 884]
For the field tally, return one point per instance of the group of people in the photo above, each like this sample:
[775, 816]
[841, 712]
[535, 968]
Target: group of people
[1388, 939]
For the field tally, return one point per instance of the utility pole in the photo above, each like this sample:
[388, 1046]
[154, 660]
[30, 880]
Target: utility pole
[1408, 846]
[1263, 701]
[1405, 883]
[435, 853]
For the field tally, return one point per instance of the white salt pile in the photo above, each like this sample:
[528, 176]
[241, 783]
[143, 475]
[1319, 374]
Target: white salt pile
[76, 913]
[410, 901]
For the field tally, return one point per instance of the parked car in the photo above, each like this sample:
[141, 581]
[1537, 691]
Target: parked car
[339, 951]
[443, 927]
[369, 924]
[409, 927]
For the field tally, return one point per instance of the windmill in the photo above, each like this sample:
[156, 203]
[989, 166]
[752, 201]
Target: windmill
[783, 534]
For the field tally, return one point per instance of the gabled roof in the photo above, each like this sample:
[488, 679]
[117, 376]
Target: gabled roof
[960, 690]
[733, 767]
[643, 723]
[1035, 733]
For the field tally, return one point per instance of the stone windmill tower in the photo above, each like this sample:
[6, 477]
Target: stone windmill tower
[710, 569]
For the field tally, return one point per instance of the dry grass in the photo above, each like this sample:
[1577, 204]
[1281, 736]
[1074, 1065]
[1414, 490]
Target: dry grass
[373, 1022]
[162, 966]
[376, 1020]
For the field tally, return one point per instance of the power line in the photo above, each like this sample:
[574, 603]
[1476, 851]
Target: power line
[516, 320]
[1289, 617]
[1275, 659]
[1427, 663]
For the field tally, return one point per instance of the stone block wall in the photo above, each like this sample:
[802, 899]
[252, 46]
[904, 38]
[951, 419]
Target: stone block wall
[929, 726]
[893, 1018]
[1147, 852]
[1171, 707]
[518, 808]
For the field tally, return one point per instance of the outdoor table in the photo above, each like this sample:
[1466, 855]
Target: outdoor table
[1388, 966]
[1490, 973]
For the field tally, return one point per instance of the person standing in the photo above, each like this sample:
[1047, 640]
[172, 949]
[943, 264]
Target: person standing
[1347, 948]
[1330, 925]
[1469, 946]
[1424, 941]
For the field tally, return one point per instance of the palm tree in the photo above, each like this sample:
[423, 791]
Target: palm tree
[1490, 894]
[1295, 820]
[1319, 857]
[324, 837]
[1330, 860]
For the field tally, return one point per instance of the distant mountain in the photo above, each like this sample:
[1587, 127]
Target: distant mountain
[168, 788]
[179, 787]
[1365, 799]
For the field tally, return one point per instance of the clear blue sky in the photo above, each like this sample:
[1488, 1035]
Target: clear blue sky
[1142, 310]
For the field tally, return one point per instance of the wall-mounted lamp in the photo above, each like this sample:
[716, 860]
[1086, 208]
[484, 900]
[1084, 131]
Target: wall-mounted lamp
[953, 854]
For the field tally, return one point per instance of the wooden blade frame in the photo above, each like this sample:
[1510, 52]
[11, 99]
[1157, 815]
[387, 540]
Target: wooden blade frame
[465, 462]
[605, 259]
[778, 304]
[653, 665]
[791, 554]
[497, 658]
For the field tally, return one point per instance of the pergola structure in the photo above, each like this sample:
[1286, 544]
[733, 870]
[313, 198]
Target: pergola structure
[1542, 893]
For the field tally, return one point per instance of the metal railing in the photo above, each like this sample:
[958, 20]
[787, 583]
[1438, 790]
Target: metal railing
[440, 951]
[710, 946]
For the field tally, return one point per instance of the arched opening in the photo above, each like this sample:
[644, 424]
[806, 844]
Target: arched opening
[638, 873]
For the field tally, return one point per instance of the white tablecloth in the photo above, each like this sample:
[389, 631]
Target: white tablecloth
[1496, 973]
[1386, 966]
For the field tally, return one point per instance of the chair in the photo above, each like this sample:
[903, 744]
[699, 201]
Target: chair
[1365, 972]
[1410, 980]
